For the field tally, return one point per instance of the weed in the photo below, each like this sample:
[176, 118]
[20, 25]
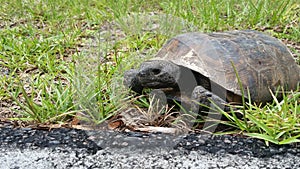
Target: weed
[52, 104]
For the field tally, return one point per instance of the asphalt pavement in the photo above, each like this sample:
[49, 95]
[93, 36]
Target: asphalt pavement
[71, 148]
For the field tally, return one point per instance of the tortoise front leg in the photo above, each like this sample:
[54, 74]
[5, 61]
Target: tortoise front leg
[203, 99]
[208, 111]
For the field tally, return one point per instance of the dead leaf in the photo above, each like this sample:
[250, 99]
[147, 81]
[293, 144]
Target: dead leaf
[115, 124]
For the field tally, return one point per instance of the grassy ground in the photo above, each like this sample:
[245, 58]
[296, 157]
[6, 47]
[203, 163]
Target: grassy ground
[62, 58]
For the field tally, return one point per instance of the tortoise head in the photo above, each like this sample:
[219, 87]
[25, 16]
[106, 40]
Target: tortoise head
[158, 74]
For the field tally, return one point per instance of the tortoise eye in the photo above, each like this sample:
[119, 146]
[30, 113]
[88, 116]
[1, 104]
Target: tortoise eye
[208, 94]
[156, 71]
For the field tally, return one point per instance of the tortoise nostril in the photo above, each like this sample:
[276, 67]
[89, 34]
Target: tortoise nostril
[156, 71]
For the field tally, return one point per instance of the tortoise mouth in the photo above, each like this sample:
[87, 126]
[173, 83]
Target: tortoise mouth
[152, 84]
[162, 80]
[157, 84]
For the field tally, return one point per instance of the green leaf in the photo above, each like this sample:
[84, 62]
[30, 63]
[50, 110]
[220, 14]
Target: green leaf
[260, 125]
[291, 140]
[263, 137]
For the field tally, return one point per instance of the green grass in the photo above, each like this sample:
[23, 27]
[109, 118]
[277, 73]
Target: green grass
[52, 104]
[46, 46]
[276, 122]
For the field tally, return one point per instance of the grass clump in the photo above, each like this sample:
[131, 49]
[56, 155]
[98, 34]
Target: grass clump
[49, 103]
[276, 122]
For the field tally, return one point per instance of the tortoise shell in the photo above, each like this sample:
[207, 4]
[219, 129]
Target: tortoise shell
[262, 62]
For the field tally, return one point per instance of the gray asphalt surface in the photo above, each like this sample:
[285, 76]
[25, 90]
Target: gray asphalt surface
[116, 158]
[70, 148]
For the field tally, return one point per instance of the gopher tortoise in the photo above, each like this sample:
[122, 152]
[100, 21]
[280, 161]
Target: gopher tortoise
[202, 67]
